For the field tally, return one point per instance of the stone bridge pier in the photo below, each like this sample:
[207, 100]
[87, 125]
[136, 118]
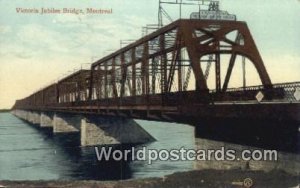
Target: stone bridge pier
[112, 130]
[46, 119]
[94, 130]
[29, 116]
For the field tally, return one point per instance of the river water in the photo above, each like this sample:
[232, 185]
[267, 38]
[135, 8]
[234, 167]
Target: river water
[29, 153]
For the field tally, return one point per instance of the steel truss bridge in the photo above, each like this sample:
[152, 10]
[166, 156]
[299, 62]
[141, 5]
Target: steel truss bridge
[163, 76]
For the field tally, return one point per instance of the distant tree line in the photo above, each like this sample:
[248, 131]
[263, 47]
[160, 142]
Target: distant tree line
[4, 110]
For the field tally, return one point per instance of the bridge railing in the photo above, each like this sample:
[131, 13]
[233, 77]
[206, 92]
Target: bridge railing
[280, 91]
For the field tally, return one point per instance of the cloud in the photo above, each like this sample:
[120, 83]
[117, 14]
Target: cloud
[5, 29]
[40, 38]
[10, 49]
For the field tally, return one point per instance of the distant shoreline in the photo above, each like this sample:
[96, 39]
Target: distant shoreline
[4, 110]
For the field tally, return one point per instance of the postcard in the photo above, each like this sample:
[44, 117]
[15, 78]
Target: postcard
[149, 93]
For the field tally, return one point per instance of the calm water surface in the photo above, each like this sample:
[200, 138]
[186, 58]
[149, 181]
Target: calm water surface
[29, 153]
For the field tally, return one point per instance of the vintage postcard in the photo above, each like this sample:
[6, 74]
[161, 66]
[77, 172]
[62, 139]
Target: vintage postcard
[149, 93]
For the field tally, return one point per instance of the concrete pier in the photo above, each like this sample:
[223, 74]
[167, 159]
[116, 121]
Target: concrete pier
[46, 119]
[30, 116]
[65, 123]
[94, 130]
[34, 117]
[112, 130]
[20, 114]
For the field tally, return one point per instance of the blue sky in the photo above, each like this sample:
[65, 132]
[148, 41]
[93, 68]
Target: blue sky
[38, 49]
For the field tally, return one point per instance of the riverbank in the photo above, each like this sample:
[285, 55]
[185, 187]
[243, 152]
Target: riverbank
[190, 179]
[4, 110]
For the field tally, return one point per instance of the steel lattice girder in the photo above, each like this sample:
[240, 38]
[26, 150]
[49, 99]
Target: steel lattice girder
[178, 35]
[135, 62]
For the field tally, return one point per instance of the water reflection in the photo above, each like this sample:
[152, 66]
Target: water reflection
[283, 136]
[82, 162]
[31, 153]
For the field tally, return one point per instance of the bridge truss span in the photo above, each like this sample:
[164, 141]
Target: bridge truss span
[162, 76]
[169, 60]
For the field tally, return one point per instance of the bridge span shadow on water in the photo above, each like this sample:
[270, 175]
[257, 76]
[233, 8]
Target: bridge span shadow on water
[63, 155]
[263, 133]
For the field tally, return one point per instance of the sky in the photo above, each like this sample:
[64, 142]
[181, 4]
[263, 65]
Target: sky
[36, 50]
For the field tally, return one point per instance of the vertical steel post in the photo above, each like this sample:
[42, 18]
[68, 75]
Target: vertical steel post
[244, 71]
[133, 59]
